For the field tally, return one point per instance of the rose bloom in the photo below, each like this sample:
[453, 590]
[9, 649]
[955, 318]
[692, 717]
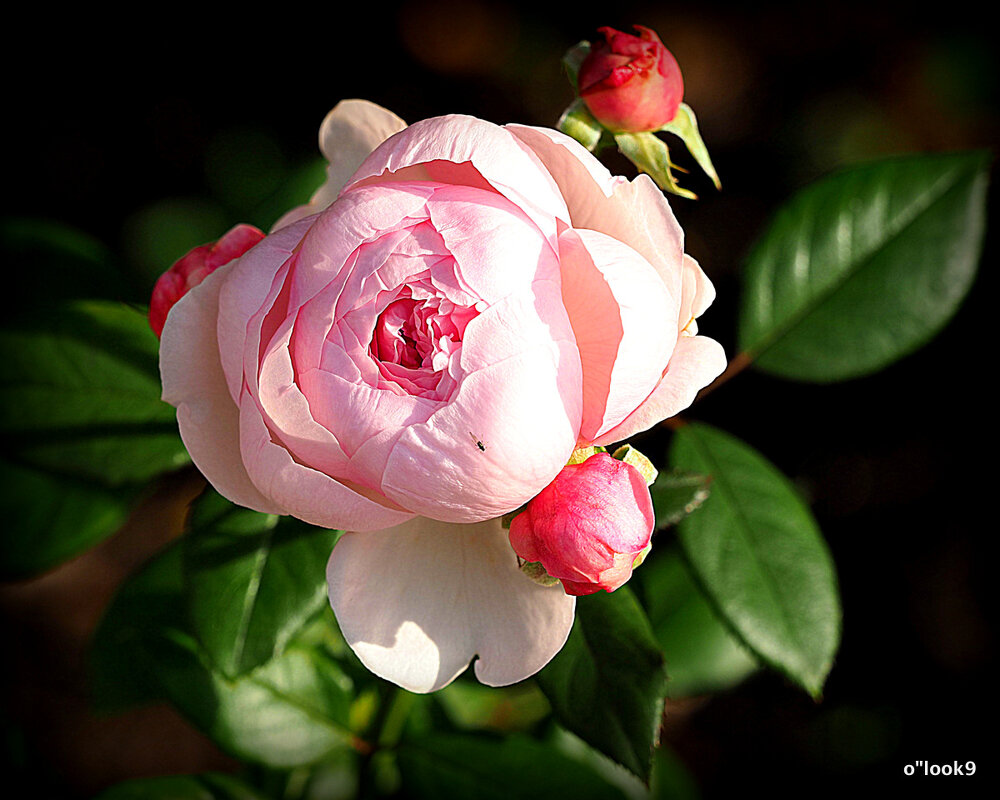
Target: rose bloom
[631, 83]
[418, 352]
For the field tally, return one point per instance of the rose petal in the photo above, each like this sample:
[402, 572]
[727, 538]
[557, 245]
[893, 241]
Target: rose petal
[634, 212]
[194, 382]
[417, 602]
[347, 136]
[623, 319]
[696, 362]
[468, 151]
[302, 491]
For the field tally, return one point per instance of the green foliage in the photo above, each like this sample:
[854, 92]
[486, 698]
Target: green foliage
[608, 682]
[208, 786]
[252, 580]
[292, 710]
[702, 656]
[864, 266]
[757, 552]
[82, 426]
[452, 767]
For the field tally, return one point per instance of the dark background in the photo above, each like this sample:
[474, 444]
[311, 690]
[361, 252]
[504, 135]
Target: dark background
[156, 133]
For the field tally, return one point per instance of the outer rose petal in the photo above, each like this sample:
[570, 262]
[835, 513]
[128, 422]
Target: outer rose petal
[418, 601]
[634, 212]
[193, 382]
[348, 134]
[696, 362]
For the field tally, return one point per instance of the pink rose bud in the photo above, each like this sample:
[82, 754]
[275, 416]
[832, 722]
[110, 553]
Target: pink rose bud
[588, 526]
[193, 268]
[631, 83]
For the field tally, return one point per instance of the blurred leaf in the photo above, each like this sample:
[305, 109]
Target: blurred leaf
[456, 767]
[702, 655]
[473, 706]
[670, 779]
[208, 786]
[51, 518]
[607, 683]
[130, 642]
[759, 556]
[80, 394]
[291, 711]
[298, 186]
[252, 580]
[677, 494]
[159, 234]
[865, 266]
[52, 260]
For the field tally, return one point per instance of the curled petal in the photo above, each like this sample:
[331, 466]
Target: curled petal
[696, 362]
[418, 601]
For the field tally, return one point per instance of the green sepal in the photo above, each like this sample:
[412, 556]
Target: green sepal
[578, 122]
[651, 155]
[684, 125]
[572, 60]
[634, 458]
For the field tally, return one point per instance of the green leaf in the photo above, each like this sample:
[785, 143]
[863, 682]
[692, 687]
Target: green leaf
[80, 395]
[208, 786]
[455, 767]
[702, 655]
[608, 682]
[291, 711]
[51, 518]
[864, 266]
[677, 494]
[131, 643]
[757, 552]
[52, 260]
[253, 580]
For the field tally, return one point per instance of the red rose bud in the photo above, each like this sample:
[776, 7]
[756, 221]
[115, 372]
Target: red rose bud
[631, 83]
[588, 526]
[193, 268]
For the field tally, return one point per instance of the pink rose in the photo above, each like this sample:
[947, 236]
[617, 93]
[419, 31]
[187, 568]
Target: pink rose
[631, 83]
[193, 268]
[588, 526]
[422, 356]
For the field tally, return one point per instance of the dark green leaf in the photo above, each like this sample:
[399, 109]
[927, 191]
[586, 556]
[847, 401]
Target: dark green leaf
[291, 711]
[208, 786]
[757, 552]
[131, 642]
[676, 494]
[53, 260]
[80, 395]
[51, 518]
[452, 767]
[607, 684]
[864, 266]
[253, 580]
[702, 655]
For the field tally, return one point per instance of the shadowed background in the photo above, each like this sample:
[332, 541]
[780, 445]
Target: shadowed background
[157, 137]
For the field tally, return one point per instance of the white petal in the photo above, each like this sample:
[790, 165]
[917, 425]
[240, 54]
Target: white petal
[418, 601]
